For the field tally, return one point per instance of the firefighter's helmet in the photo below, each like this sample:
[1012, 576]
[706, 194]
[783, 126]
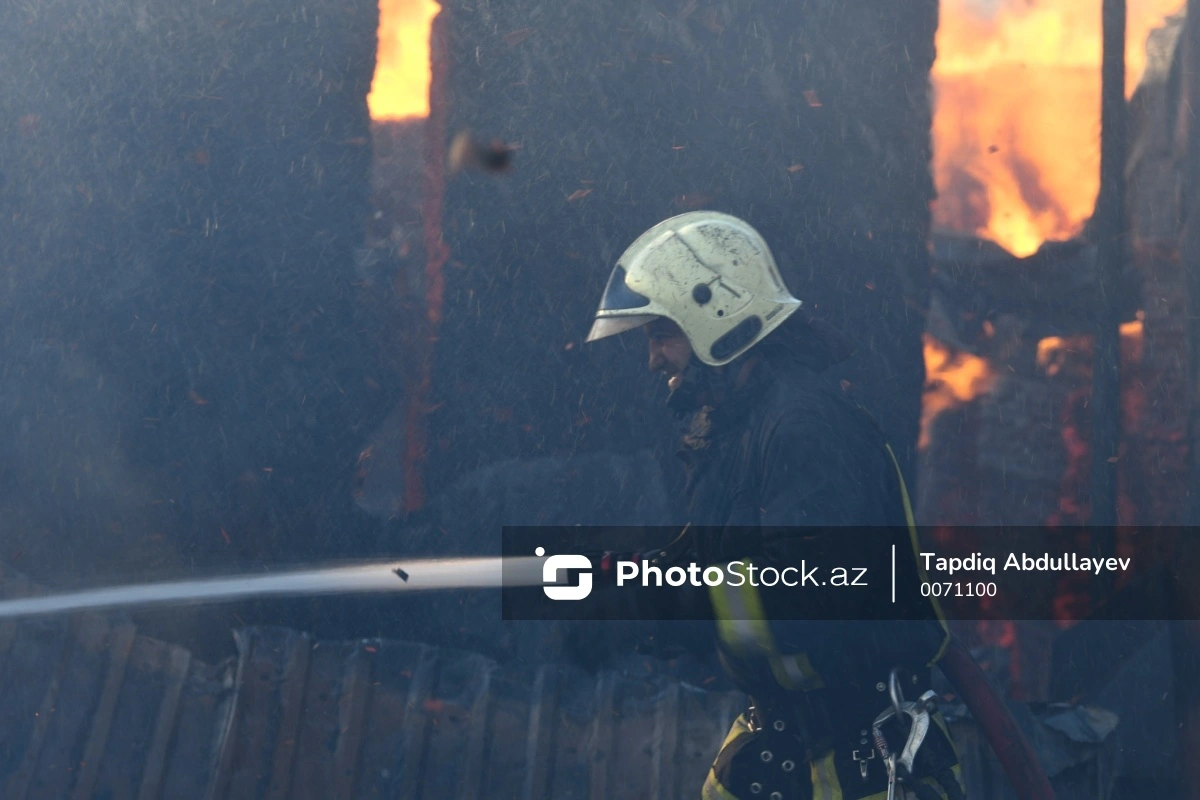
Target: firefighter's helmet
[710, 273]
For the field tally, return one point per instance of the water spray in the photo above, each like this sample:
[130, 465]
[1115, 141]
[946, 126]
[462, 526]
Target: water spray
[375, 577]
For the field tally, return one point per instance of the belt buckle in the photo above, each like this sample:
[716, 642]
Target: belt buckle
[752, 719]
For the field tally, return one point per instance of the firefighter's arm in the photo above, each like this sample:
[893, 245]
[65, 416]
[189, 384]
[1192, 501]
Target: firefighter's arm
[803, 493]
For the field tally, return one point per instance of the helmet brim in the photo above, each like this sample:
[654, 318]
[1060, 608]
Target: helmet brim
[604, 327]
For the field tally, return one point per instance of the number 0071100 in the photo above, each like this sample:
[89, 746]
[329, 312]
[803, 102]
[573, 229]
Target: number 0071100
[948, 589]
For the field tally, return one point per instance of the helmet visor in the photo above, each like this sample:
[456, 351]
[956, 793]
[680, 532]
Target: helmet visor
[611, 326]
[618, 296]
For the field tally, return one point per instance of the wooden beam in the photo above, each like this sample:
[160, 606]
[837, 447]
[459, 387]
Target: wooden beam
[539, 749]
[1185, 631]
[356, 686]
[155, 771]
[291, 696]
[1110, 234]
[120, 643]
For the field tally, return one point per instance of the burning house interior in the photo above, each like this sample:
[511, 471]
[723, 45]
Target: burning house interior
[294, 282]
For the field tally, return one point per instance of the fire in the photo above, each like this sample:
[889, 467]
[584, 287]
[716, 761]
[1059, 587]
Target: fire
[1053, 350]
[1133, 339]
[400, 88]
[951, 379]
[1017, 121]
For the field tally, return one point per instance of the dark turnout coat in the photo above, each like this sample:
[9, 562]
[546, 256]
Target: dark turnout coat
[788, 466]
[791, 468]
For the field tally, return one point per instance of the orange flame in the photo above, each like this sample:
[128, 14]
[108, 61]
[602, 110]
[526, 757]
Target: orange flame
[951, 379]
[1133, 338]
[400, 88]
[1016, 128]
[1053, 350]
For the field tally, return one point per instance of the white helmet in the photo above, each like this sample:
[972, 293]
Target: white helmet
[709, 273]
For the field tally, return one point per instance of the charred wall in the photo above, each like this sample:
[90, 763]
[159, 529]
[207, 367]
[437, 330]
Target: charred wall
[185, 374]
[809, 119]
[1155, 213]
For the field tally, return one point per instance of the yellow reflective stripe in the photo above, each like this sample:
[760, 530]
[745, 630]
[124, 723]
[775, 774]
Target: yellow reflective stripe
[908, 512]
[781, 674]
[740, 727]
[824, 779]
[719, 598]
[916, 546]
[799, 671]
[743, 627]
[753, 607]
[713, 790]
[806, 668]
[741, 622]
[958, 774]
[940, 721]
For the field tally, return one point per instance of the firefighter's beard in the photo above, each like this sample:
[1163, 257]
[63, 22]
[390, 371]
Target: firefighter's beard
[698, 387]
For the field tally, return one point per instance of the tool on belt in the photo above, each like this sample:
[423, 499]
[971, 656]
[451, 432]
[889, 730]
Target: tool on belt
[900, 765]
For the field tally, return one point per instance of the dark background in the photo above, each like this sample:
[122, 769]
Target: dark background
[192, 363]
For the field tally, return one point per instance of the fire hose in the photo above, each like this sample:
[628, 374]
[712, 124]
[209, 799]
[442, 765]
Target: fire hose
[999, 727]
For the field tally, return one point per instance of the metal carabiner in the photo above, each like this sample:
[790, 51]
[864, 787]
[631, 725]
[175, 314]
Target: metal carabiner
[920, 713]
[919, 720]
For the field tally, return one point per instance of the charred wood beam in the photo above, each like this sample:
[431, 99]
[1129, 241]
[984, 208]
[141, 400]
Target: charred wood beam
[1057, 291]
[1110, 225]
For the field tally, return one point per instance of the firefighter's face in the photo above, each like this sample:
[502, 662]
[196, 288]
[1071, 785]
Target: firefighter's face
[670, 351]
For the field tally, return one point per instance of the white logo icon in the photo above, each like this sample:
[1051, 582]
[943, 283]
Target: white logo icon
[561, 563]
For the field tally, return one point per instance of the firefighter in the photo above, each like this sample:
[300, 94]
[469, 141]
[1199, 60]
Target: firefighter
[778, 457]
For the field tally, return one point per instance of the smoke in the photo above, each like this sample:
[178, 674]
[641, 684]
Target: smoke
[68, 496]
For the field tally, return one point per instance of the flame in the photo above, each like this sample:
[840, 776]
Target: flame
[400, 88]
[951, 379]
[1133, 339]
[1017, 121]
[1071, 358]
[1053, 350]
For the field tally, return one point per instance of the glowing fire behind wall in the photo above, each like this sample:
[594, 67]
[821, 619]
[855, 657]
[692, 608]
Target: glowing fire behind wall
[1017, 120]
[401, 86]
[952, 378]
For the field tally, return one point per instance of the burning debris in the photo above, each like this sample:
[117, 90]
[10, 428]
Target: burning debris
[1009, 363]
